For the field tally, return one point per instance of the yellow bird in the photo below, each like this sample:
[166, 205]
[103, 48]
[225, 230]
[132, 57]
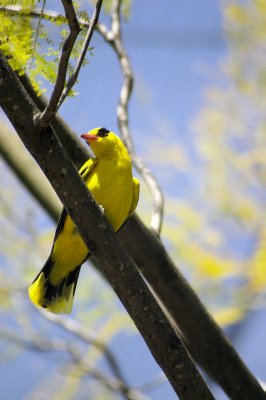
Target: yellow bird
[110, 181]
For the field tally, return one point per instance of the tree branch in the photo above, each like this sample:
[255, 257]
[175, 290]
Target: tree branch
[209, 346]
[88, 336]
[75, 149]
[74, 76]
[204, 338]
[104, 245]
[219, 359]
[36, 35]
[74, 29]
[209, 343]
[37, 12]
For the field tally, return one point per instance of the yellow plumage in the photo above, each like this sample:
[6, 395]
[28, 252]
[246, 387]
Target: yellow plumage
[109, 179]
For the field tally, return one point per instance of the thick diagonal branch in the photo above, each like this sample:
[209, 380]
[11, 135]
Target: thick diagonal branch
[111, 257]
[209, 346]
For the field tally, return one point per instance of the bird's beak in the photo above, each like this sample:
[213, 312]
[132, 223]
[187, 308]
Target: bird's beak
[89, 138]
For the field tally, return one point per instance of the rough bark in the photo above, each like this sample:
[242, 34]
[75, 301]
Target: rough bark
[205, 340]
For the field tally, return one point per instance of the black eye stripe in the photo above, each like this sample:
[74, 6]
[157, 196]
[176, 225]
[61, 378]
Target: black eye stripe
[102, 132]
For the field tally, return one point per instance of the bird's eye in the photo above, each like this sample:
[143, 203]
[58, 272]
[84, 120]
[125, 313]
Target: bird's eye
[102, 132]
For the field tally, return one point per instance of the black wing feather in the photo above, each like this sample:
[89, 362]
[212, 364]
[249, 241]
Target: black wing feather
[60, 224]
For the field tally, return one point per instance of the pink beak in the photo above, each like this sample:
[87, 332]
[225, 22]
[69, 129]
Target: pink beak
[89, 138]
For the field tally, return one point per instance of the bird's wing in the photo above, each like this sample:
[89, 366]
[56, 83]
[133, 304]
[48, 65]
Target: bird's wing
[60, 224]
[84, 171]
[135, 197]
[86, 168]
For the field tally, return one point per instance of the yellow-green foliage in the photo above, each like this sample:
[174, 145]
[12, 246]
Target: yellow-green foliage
[33, 45]
[16, 40]
[20, 42]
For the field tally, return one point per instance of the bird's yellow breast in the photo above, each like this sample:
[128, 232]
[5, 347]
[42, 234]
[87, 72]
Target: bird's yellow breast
[111, 185]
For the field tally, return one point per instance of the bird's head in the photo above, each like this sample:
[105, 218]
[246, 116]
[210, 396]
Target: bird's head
[104, 143]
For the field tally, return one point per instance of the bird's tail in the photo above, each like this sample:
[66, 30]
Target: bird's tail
[55, 298]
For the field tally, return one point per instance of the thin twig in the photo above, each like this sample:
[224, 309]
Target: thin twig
[68, 45]
[36, 13]
[33, 341]
[113, 384]
[153, 383]
[84, 49]
[88, 336]
[36, 35]
[115, 18]
[76, 150]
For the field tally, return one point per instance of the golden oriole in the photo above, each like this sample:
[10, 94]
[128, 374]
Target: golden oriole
[110, 181]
